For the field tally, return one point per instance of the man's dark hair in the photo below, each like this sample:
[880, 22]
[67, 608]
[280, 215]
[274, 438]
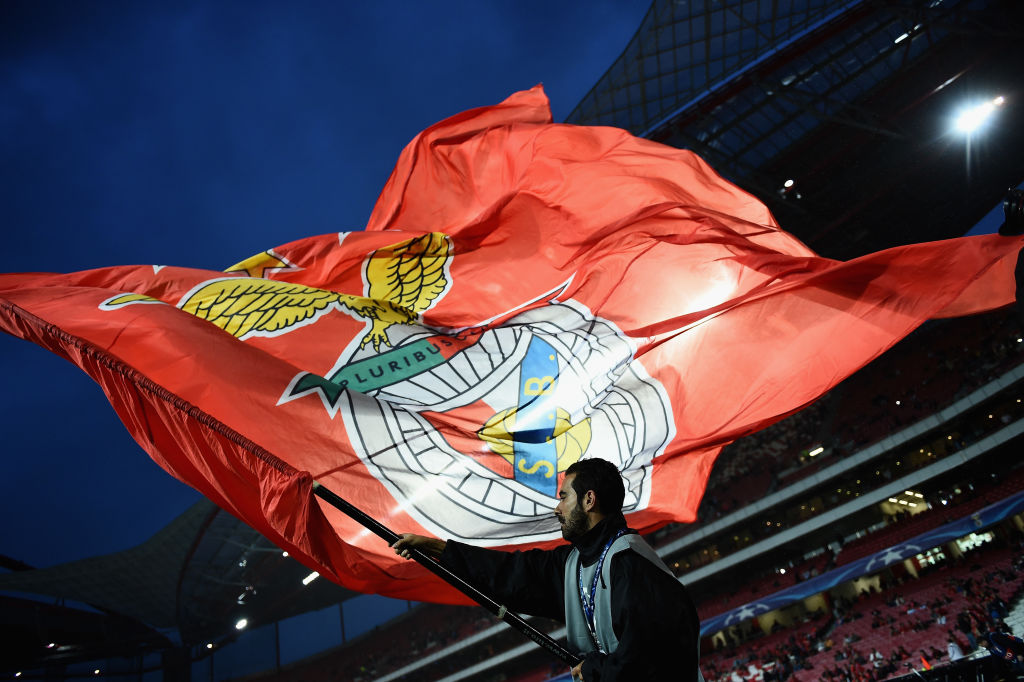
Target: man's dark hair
[603, 478]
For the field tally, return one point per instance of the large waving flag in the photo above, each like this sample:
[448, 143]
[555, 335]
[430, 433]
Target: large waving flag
[525, 295]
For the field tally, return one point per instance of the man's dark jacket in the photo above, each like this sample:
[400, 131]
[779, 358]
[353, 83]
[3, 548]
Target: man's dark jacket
[652, 613]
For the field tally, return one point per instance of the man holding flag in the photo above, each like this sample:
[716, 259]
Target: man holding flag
[625, 612]
[526, 297]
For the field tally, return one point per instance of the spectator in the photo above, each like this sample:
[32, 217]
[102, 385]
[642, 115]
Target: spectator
[954, 650]
[1008, 649]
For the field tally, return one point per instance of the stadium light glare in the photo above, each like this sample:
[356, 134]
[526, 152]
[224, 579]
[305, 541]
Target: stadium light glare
[310, 578]
[904, 36]
[240, 625]
[972, 118]
[816, 451]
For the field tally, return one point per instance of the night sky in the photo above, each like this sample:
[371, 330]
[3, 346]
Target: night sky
[197, 133]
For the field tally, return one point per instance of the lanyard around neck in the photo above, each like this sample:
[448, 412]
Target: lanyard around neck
[588, 601]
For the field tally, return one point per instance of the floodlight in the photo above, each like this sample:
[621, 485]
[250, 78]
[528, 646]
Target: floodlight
[972, 118]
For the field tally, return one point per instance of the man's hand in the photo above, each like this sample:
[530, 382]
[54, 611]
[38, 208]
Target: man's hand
[577, 672]
[430, 546]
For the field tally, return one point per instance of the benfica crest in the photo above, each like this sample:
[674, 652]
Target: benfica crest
[468, 428]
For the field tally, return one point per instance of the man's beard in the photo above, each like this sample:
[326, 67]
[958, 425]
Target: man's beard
[575, 525]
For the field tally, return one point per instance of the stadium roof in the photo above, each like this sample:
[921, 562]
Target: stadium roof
[852, 101]
[185, 585]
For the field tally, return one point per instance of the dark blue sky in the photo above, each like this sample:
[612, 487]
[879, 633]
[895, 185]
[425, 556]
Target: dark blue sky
[197, 133]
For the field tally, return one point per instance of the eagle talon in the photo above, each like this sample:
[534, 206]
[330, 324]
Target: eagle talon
[377, 338]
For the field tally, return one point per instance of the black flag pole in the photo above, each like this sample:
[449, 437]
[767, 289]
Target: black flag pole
[389, 536]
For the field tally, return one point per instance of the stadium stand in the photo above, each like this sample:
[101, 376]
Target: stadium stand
[904, 607]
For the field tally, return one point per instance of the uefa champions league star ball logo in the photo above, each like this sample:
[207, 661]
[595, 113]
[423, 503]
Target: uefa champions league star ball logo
[544, 389]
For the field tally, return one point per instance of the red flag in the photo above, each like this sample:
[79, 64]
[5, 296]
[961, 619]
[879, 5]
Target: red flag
[525, 294]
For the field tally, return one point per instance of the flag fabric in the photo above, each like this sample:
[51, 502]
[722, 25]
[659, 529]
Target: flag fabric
[525, 294]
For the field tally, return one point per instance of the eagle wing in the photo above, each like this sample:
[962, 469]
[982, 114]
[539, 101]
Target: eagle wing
[410, 274]
[246, 306]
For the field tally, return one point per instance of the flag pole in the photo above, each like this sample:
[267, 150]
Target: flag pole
[389, 536]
